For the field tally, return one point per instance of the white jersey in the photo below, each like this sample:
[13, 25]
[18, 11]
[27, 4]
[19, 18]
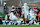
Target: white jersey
[12, 16]
[25, 9]
[32, 14]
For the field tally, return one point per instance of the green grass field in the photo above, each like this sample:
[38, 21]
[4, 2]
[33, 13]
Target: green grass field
[19, 26]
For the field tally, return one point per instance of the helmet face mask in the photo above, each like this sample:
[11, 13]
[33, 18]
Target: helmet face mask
[12, 11]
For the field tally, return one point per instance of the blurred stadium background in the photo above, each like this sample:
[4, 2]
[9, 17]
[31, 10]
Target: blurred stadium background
[30, 3]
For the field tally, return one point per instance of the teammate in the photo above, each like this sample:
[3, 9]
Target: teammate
[25, 11]
[12, 17]
[33, 17]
